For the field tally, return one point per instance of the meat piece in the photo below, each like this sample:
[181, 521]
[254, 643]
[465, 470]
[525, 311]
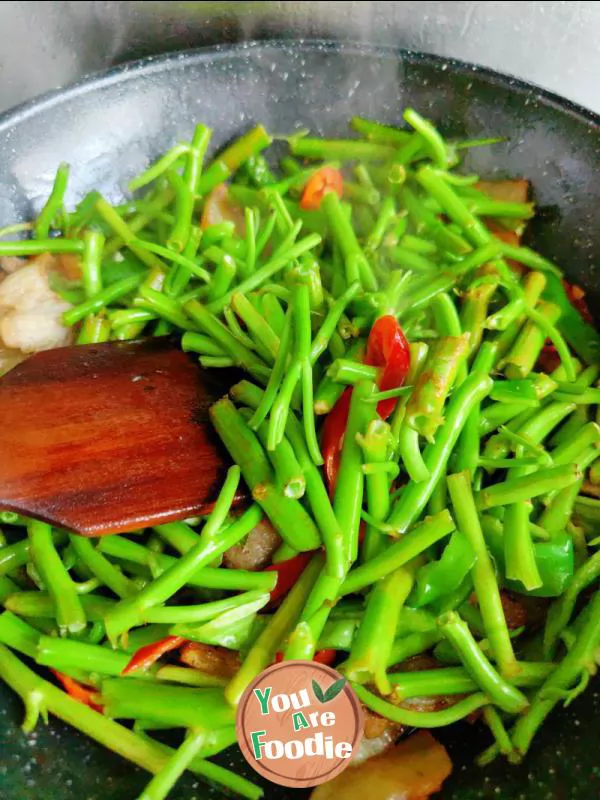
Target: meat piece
[513, 190]
[376, 726]
[412, 770]
[11, 263]
[417, 664]
[218, 207]
[508, 191]
[591, 489]
[30, 312]
[9, 359]
[35, 329]
[430, 703]
[514, 610]
[26, 288]
[208, 658]
[69, 265]
[256, 550]
[380, 734]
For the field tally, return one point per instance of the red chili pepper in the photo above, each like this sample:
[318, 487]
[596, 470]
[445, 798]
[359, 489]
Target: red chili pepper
[288, 573]
[386, 348]
[83, 694]
[325, 657]
[322, 657]
[327, 179]
[548, 359]
[577, 299]
[147, 655]
[334, 428]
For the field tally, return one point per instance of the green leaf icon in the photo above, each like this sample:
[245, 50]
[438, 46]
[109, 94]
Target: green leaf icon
[333, 691]
[318, 692]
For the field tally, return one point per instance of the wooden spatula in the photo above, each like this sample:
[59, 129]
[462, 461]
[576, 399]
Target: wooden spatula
[111, 437]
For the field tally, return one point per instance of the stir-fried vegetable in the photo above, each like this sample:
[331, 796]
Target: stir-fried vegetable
[415, 471]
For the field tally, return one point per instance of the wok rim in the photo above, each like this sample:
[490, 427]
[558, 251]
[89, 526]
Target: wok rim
[149, 65]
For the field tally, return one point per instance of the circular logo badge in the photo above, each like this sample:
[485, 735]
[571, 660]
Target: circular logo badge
[299, 723]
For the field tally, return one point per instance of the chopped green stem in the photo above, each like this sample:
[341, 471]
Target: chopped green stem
[162, 783]
[410, 453]
[451, 203]
[348, 497]
[421, 719]
[200, 343]
[290, 475]
[415, 496]
[290, 519]
[500, 692]
[41, 604]
[356, 263]
[91, 263]
[374, 639]
[175, 615]
[181, 706]
[165, 307]
[562, 609]
[528, 486]
[458, 680]
[70, 614]
[67, 654]
[231, 159]
[425, 407]
[375, 444]
[344, 370]
[483, 573]
[267, 341]
[213, 327]
[124, 549]
[561, 680]
[521, 358]
[434, 142]
[160, 166]
[519, 554]
[129, 612]
[340, 149]
[275, 264]
[275, 378]
[94, 329]
[101, 567]
[400, 552]
[262, 652]
[106, 297]
[54, 203]
[42, 697]
[34, 247]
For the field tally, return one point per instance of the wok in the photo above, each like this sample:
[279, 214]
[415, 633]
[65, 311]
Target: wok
[108, 127]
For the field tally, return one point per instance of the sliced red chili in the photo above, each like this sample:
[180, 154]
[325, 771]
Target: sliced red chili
[327, 179]
[288, 573]
[332, 439]
[83, 694]
[387, 347]
[325, 657]
[577, 299]
[321, 657]
[150, 653]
